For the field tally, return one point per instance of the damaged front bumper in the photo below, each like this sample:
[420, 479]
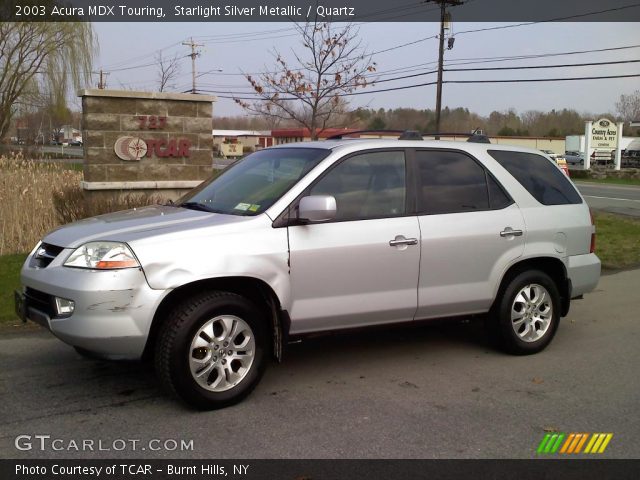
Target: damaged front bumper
[113, 309]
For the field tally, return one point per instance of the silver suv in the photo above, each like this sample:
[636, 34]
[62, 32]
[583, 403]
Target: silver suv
[314, 237]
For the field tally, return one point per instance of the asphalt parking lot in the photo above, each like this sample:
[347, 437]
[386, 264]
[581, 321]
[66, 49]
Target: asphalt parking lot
[436, 391]
[620, 199]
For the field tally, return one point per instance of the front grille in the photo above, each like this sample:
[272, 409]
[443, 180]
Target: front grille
[45, 254]
[40, 301]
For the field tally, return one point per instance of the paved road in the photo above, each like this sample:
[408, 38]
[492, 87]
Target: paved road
[621, 199]
[427, 392]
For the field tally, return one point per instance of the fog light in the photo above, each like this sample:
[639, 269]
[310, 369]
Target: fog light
[64, 307]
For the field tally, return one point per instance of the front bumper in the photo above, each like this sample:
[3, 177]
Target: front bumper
[113, 309]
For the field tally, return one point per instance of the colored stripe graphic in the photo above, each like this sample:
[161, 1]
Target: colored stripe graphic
[543, 443]
[550, 443]
[598, 442]
[573, 443]
[568, 442]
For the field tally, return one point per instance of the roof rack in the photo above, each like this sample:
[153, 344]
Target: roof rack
[474, 137]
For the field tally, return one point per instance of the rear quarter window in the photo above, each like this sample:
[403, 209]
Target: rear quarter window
[540, 177]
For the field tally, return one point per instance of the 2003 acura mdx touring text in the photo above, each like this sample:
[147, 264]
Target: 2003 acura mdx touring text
[313, 237]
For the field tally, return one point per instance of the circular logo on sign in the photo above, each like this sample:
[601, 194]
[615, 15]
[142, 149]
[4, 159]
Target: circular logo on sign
[604, 123]
[131, 149]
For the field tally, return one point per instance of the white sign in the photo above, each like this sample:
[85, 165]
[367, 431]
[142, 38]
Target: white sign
[231, 150]
[604, 134]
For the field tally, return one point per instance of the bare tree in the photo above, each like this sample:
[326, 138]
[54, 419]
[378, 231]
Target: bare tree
[629, 106]
[42, 59]
[168, 71]
[312, 92]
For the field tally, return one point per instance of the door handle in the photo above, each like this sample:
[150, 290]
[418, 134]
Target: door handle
[510, 232]
[400, 240]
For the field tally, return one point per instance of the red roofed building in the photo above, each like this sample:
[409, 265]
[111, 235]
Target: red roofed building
[291, 135]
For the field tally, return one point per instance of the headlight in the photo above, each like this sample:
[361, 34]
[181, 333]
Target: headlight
[102, 256]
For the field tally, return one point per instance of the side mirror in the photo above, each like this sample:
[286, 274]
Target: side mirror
[317, 208]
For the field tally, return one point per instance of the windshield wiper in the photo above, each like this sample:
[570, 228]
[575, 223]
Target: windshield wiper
[198, 206]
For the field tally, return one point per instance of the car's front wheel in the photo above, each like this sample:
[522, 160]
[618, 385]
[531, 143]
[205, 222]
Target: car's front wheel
[211, 349]
[526, 316]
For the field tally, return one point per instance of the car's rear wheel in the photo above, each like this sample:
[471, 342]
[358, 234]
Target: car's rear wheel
[526, 316]
[211, 349]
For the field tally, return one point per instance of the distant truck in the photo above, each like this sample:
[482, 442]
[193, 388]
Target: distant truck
[574, 143]
[633, 149]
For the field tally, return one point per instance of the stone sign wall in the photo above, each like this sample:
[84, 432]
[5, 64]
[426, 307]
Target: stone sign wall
[142, 142]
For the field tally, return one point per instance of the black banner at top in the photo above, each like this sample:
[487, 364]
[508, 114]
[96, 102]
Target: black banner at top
[322, 10]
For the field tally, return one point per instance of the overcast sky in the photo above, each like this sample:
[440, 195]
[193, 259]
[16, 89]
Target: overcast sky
[237, 47]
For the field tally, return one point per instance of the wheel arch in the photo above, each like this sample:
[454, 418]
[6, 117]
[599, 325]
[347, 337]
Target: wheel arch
[554, 267]
[254, 289]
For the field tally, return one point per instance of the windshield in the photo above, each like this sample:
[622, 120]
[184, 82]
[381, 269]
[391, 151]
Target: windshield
[254, 183]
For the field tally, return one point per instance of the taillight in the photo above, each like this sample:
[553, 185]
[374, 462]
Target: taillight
[592, 249]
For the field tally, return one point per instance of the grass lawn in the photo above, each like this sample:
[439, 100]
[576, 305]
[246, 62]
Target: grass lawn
[10, 266]
[617, 240]
[617, 245]
[610, 181]
[78, 167]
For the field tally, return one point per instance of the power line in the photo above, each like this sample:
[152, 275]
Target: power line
[533, 80]
[431, 72]
[222, 38]
[140, 57]
[530, 67]
[406, 87]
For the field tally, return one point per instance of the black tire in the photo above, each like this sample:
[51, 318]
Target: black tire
[173, 348]
[501, 327]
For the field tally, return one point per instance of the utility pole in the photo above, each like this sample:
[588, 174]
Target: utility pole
[102, 84]
[443, 17]
[193, 56]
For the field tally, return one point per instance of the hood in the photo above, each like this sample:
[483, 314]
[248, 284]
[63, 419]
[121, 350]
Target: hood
[138, 222]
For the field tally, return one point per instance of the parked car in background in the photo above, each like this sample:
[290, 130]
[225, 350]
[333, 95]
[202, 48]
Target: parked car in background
[574, 158]
[315, 237]
[560, 161]
[551, 154]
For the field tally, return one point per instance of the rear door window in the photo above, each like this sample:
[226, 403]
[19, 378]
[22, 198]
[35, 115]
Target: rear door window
[542, 179]
[452, 182]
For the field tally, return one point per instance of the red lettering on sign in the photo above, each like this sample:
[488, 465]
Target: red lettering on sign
[160, 148]
[169, 148]
[151, 122]
[184, 148]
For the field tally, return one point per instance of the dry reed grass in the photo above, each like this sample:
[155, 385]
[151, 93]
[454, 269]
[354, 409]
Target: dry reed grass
[36, 197]
[26, 209]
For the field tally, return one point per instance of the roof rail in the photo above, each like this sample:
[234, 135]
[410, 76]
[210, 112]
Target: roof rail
[474, 137]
